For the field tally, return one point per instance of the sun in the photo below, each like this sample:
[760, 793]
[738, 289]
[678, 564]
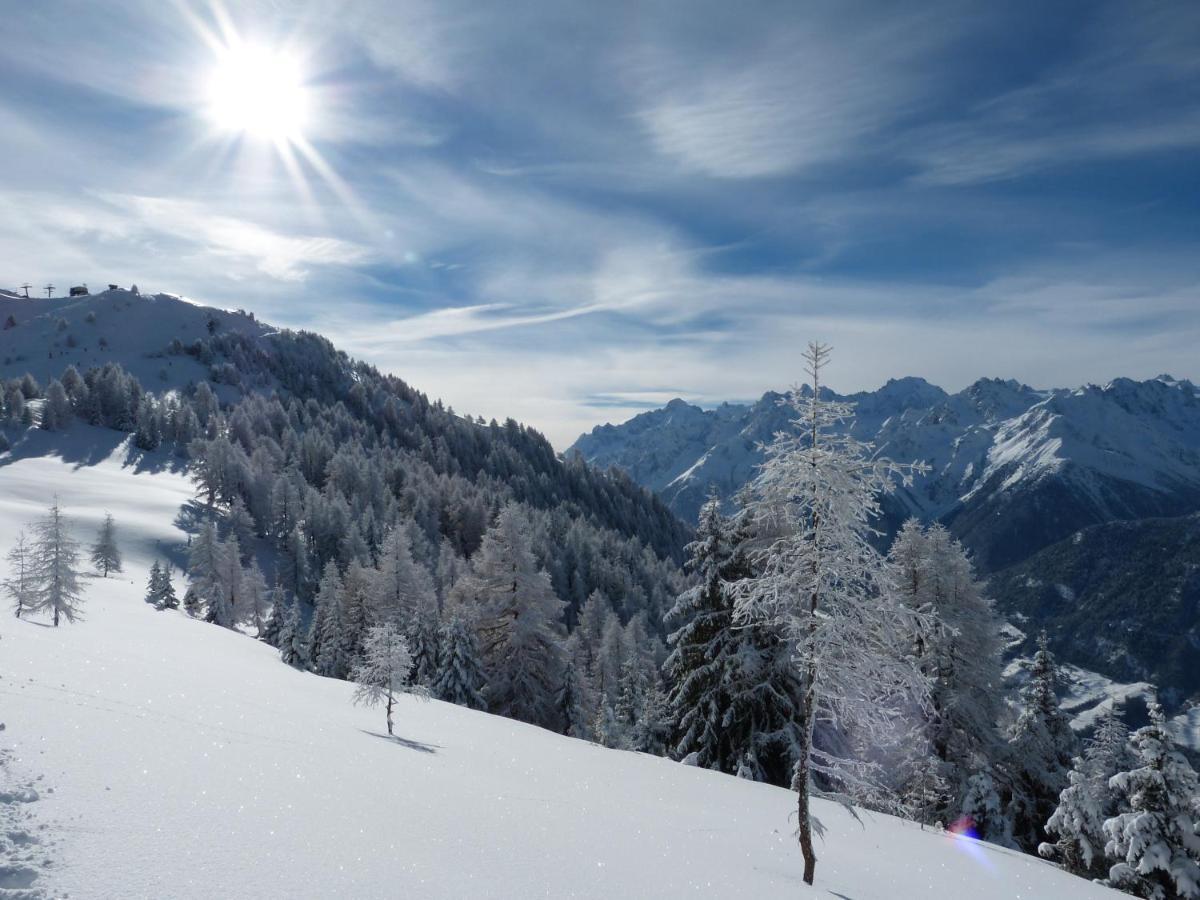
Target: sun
[258, 92]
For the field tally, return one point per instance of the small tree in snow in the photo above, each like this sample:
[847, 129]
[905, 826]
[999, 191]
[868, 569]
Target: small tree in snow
[106, 557]
[20, 585]
[55, 567]
[383, 670]
[154, 584]
[821, 580]
[1158, 840]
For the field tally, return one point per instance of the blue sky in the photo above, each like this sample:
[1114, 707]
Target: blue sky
[567, 212]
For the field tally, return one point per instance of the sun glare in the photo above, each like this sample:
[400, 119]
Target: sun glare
[258, 92]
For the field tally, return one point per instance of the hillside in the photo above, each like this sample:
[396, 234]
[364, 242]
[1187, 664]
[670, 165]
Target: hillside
[146, 755]
[1121, 598]
[136, 330]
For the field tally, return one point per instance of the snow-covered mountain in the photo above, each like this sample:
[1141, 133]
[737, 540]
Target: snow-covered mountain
[1013, 469]
[146, 754]
[43, 336]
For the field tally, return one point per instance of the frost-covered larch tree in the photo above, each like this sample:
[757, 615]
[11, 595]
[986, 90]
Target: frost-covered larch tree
[256, 596]
[403, 588]
[1158, 840]
[56, 567]
[383, 670]
[1087, 802]
[519, 624]
[819, 577]
[1041, 748]
[106, 556]
[204, 570]
[20, 585]
[956, 643]
[460, 676]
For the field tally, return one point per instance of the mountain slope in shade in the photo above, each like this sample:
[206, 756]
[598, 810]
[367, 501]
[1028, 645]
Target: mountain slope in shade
[1012, 469]
[1122, 599]
[224, 773]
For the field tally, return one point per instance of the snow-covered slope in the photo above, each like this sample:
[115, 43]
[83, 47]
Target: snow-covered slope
[1012, 469]
[148, 755]
[114, 326]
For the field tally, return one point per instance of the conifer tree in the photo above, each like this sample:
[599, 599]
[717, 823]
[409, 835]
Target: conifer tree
[460, 676]
[166, 590]
[106, 557]
[422, 637]
[520, 623]
[204, 571]
[20, 584]
[383, 669]
[819, 577]
[256, 596]
[325, 645]
[1041, 747]
[55, 567]
[569, 702]
[154, 584]
[293, 648]
[1157, 842]
[734, 691]
[274, 624]
[956, 644]
[1087, 802]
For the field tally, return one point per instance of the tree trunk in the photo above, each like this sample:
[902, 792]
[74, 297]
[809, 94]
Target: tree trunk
[800, 783]
[390, 701]
[806, 844]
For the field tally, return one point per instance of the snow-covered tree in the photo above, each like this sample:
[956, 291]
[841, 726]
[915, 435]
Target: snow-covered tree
[983, 811]
[570, 703]
[205, 566]
[1041, 747]
[154, 584]
[460, 677]
[956, 643]
[422, 634]
[326, 647]
[256, 596]
[166, 589]
[734, 692]
[1157, 842]
[106, 556]
[226, 603]
[403, 588]
[20, 584]
[274, 624]
[1087, 802]
[519, 624]
[56, 567]
[293, 649]
[383, 670]
[56, 410]
[819, 577]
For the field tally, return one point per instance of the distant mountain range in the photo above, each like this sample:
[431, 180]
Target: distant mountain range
[1082, 505]
[1013, 469]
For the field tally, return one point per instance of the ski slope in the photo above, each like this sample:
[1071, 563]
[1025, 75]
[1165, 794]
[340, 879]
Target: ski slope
[148, 755]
